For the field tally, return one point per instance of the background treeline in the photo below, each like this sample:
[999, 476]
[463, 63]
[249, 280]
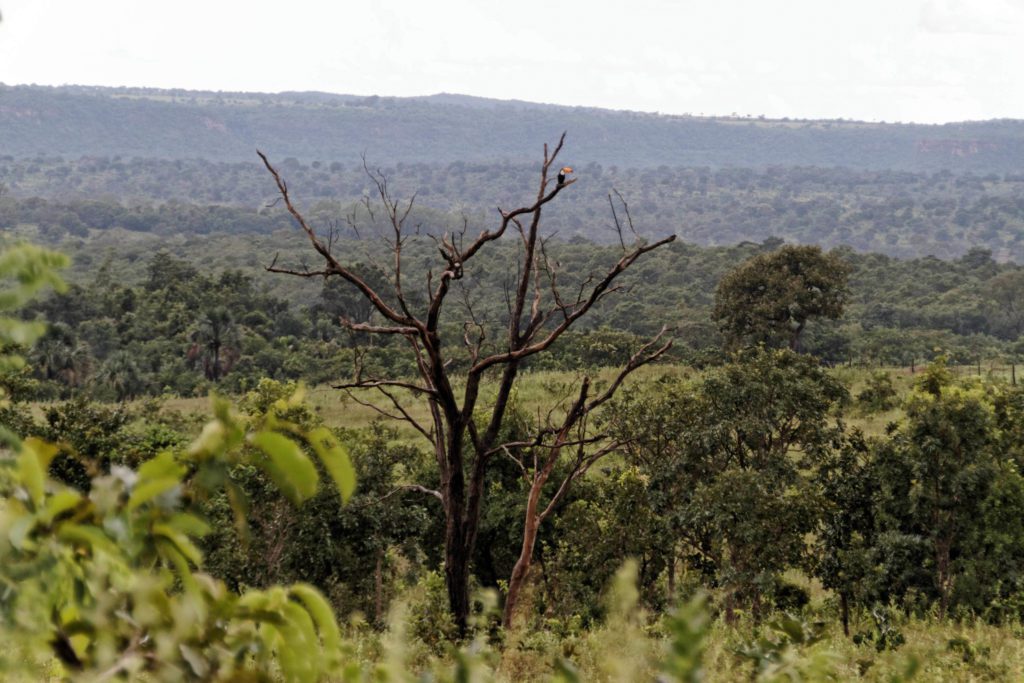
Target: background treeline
[184, 319]
[902, 214]
[179, 124]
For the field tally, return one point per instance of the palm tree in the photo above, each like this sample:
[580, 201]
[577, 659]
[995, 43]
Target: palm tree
[121, 373]
[60, 356]
[215, 343]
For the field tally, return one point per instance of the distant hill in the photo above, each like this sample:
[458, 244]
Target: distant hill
[76, 121]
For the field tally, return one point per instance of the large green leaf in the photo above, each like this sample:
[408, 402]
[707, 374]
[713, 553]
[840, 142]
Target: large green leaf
[162, 466]
[180, 541]
[89, 536]
[299, 655]
[170, 551]
[287, 465]
[33, 463]
[189, 524]
[18, 533]
[150, 489]
[323, 615]
[59, 503]
[336, 460]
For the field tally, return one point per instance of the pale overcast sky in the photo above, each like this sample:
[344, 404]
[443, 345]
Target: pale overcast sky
[893, 60]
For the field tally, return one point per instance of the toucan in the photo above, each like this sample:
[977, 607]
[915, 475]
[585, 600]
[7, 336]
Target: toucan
[564, 172]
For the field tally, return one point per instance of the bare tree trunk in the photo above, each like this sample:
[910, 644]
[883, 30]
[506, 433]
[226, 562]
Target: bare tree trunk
[730, 607]
[794, 340]
[942, 565]
[378, 589]
[456, 576]
[457, 543]
[672, 573]
[522, 567]
[756, 608]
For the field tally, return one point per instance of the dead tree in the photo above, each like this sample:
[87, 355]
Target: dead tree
[537, 458]
[463, 439]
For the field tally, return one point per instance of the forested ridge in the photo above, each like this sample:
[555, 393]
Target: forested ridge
[79, 120]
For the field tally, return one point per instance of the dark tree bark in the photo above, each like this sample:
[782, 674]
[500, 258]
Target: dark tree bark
[378, 589]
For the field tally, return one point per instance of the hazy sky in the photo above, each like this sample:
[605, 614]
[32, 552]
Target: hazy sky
[893, 60]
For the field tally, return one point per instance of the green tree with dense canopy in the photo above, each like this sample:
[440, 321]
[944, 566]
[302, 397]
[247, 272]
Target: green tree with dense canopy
[771, 297]
[730, 462]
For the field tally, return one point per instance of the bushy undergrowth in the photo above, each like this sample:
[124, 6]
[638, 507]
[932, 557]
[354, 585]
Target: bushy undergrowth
[692, 643]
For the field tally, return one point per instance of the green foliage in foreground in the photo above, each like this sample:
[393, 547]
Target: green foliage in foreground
[611, 520]
[109, 581]
[24, 271]
[106, 581]
[108, 585]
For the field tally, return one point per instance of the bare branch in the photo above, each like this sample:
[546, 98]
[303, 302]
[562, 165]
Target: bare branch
[301, 273]
[423, 489]
[404, 415]
[333, 266]
[625, 208]
[638, 359]
[537, 441]
[405, 487]
[376, 383]
[618, 226]
[581, 469]
[522, 468]
[376, 329]
[576, 312]
[460, 257]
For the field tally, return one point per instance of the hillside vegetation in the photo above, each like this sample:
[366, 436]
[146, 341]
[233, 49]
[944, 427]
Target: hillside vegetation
[901, 214]
[178, 124]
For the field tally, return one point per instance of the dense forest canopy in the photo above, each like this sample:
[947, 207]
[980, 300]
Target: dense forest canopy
[150, 299]
[905, 214]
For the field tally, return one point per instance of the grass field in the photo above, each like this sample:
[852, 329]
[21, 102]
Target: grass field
[539, 392]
